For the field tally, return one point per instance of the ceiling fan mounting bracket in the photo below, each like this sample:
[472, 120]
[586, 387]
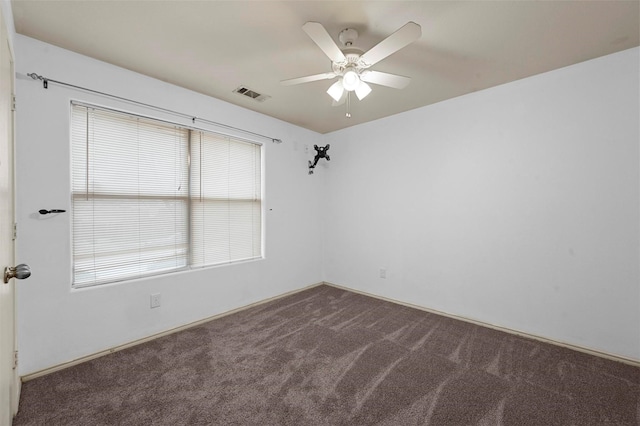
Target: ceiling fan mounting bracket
[348, 36]
[337, 68]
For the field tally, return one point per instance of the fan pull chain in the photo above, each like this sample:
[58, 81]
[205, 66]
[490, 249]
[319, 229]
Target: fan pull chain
[348, 114]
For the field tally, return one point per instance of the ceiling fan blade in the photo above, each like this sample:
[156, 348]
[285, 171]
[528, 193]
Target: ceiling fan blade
[407, 34]
[385, 79]
[307, 79]
[324, 41]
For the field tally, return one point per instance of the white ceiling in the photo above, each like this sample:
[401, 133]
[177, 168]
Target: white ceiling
[212, 47]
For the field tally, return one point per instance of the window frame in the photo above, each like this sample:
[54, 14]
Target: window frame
[189, 200]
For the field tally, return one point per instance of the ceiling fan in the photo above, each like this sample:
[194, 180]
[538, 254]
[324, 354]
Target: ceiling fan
[351, 65]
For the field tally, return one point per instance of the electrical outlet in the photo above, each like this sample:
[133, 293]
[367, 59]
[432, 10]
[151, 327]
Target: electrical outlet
[155, 300]
[383, 272]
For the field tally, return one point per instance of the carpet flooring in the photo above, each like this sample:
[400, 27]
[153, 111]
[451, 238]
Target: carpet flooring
[327, 356]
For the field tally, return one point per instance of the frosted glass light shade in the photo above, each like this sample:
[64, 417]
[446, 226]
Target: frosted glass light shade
[362, 90]
[336, 90]
[350, 80]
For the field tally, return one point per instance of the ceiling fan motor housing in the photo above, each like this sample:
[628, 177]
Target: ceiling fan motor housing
[353, 62]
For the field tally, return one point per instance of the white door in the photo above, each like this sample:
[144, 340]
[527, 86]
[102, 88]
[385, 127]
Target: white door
[9, 383]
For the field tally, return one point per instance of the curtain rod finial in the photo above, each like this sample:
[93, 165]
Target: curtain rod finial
[45, 82]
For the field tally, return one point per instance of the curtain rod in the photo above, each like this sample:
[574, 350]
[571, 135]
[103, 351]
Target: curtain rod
[46, 81]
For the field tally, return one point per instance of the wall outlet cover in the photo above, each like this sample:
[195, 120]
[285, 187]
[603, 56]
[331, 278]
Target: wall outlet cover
[155, 300]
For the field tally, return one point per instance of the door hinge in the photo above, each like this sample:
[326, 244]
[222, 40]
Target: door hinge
[15, 359]
[15, 231]
[13, 103]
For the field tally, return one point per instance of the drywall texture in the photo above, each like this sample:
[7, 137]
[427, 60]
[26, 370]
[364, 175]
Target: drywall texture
[516, 206]
[58, 324]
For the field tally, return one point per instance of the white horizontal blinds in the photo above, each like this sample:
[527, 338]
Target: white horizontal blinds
[226, 222]
[130, 196]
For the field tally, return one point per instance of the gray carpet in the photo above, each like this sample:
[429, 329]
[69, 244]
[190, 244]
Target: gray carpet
[331, 357]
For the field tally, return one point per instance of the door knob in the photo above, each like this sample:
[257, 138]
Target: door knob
[20, 272]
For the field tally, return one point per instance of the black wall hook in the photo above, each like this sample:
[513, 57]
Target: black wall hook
[44, 211]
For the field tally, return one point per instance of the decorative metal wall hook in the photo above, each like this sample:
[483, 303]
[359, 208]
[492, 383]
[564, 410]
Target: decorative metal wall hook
[321, 152]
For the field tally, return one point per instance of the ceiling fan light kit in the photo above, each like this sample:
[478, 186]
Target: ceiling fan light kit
[336, 90]
[350, 80]
[362, 90]
[351, 66]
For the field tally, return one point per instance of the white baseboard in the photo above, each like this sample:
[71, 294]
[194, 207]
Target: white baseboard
[613, 357]
[80, 360]
[86, 358]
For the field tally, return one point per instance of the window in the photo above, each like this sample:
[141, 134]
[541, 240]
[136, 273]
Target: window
[150, 197]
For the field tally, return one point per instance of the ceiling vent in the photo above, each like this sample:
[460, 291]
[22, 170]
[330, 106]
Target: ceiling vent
[245, 91]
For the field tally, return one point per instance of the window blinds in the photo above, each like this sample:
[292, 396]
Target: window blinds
[141, 208]
[226, 203]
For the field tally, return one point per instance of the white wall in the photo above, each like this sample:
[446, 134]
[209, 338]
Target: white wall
[7, 13]
[517, 206]
[57, 324]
